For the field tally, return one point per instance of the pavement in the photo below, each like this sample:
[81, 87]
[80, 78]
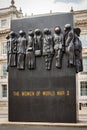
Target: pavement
[5, 122]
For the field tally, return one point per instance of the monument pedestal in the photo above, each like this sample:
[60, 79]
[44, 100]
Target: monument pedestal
[42, 95]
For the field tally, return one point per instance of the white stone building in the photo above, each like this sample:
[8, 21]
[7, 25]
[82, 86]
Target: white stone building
[6, 15]
[80, 18]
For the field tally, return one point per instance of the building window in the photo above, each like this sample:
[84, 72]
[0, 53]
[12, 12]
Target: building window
[84, 40]
[4, 23]
[4, 69]
[82, 105]
[83, 90]
[4, 48]
[4, 90]
[85, 64]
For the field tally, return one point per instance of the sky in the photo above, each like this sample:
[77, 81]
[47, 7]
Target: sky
[44, 6]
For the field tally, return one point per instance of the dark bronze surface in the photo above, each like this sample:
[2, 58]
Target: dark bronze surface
[40, 95]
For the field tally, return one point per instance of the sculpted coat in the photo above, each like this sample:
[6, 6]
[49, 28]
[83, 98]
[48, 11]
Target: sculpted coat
[58, 43]
[21, 50]
[78, 51]
[48, 49]
[30, 55]
[69, 45]
[12, 49]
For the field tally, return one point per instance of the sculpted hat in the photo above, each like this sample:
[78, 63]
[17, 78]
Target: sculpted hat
[37, 31]
[12, 33]
[30, 32]
[21, 32]
[57, 29]
[46, 31]
[67, 25]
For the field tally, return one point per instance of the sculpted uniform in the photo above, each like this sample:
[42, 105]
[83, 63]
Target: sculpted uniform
[8, 48]
[21, 50]
[58, 43]
[12, 50]
[69, 45]
[30, 56]
[78, 51]
[48, 48]
[38, 42]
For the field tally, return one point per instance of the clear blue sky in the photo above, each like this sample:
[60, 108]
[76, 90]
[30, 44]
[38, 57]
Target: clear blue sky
[44, 6]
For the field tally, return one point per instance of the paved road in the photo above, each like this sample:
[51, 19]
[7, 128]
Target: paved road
[8, 127]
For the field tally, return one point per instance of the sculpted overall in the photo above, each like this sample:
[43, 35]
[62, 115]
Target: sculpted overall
[8, 49]
[12, 49]
[21, 50]
[48, 50]
[58, 43]
[69, 45]
[78, 51]
[38, 42]
[30, 56]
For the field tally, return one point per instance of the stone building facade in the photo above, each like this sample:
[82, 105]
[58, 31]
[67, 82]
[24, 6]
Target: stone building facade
[80, 18]
[6, 15]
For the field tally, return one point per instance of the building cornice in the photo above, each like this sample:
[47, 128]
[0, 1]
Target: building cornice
[79, 12]
[6, 31]
[81, 22]
[10, 10]
[2, 9]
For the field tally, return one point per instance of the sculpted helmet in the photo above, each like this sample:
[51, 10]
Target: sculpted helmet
[37, 31]
[67, 27]
[77, 31]
[47, 31]
[57, 29]
[12, 34]
[30, 33]
[21, 32]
